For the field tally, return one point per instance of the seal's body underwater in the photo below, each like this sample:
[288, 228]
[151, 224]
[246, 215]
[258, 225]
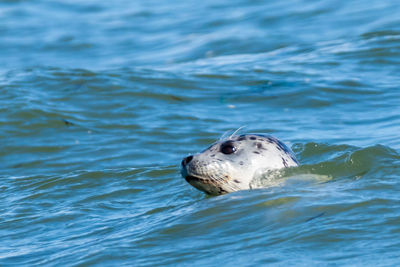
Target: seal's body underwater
[231, 164]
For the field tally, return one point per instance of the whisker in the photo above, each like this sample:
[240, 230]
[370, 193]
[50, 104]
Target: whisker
[240, 128]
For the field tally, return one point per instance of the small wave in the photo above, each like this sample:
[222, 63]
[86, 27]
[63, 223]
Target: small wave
[324, 163]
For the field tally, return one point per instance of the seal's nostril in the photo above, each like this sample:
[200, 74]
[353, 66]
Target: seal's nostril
[187, 160]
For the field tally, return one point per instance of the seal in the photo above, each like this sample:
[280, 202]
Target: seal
[231, 164]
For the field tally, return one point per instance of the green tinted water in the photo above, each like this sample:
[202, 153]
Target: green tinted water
[100, 102]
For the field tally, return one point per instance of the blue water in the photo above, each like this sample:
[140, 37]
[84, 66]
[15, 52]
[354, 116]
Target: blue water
[101, 100]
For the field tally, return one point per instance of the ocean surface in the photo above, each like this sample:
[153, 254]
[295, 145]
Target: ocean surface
[101, 100]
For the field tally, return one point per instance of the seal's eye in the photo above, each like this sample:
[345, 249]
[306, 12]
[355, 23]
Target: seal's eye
[228, 148]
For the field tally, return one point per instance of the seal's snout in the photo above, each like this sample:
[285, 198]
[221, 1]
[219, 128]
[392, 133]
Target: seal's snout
[186, 160]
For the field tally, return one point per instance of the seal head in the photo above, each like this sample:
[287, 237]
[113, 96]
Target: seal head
[230, 165]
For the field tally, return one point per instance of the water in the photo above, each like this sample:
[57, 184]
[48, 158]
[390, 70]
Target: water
[100, 101]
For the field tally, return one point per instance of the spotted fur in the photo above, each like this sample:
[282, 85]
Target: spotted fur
[217, 171]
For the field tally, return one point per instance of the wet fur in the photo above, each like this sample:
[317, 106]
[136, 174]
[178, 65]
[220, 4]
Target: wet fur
[216, 173]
